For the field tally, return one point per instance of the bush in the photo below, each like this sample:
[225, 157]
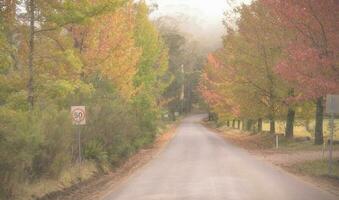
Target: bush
[32, 145]
[17, 146]
[54, 151]
[43, 143]
[95, 151]
[112, 125]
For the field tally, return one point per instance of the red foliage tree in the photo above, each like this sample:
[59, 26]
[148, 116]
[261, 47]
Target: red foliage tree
[311, 63]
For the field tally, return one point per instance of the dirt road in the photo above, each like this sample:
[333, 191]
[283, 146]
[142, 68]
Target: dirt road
[199, 164]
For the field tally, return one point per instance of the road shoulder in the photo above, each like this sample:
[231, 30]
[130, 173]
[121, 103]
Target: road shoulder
[297, 161]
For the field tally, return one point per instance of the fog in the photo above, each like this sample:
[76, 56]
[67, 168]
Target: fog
[202, 19]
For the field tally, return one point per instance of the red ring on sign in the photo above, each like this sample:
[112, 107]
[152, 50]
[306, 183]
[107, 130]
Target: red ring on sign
[77, 118]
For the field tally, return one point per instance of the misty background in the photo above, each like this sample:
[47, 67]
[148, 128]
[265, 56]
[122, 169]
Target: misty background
[202, 20]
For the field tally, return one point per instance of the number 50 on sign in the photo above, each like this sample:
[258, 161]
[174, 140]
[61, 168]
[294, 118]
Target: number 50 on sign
[78, 115]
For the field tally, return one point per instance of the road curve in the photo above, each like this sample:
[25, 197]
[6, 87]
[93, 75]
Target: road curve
[199, 165]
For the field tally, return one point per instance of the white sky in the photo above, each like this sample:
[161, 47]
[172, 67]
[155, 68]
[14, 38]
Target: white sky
[201, 18]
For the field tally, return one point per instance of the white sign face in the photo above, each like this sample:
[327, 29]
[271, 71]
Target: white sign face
[78, 115]
[332, 104]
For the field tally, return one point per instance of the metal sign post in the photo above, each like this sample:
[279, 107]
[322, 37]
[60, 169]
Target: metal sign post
[330, 160]
[332, 108]
[79, 144]
[79, 118]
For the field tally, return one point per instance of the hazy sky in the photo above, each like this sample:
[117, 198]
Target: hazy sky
[201, 18]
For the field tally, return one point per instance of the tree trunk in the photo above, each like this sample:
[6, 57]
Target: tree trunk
[233, 123]
[272, 126]
[228, 123]
[173, 116]
[189, 101]
[307, 125]
[212, 116]
[290, 123]
[319, 139]
[243, 124]
[260, 125]
[249, 125]
[30, 86]
[238, 124]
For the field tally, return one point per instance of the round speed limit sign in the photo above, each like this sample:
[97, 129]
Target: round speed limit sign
[78, 115]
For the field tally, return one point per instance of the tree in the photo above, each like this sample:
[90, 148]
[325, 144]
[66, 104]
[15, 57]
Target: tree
[108, 54]
[151, 80]
[311, 62]
[185, 62]
[47, 16]
[245, 66]
[67, 69]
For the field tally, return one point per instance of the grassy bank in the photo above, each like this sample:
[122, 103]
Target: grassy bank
[317, 168]
[300, 129]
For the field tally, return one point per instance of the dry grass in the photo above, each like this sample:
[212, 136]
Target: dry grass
[69, 177]
[317, 168]
[316, 171]
[300, 130]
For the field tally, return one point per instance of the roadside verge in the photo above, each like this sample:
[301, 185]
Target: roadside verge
[97, 186]
[301, 158]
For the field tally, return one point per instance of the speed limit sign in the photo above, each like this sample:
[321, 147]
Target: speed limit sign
[78, 115]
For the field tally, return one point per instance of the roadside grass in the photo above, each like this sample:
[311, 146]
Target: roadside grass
[318, 168]
[300, 130]
[73, 175]
[295, 145]
[266, 140]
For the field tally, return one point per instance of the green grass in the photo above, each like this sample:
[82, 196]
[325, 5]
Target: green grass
[317, 168]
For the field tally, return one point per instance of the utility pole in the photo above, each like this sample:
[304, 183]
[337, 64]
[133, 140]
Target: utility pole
[30, 86]
[182, 96]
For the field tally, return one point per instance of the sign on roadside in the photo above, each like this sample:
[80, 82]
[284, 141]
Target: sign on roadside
[332, 108]
[332, 104]
[78, 115]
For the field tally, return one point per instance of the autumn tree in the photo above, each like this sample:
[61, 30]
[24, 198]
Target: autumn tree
[152, 78]
[246, 63]
[110, 55]
[311, 61]
[107, 55]
[47, 17]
